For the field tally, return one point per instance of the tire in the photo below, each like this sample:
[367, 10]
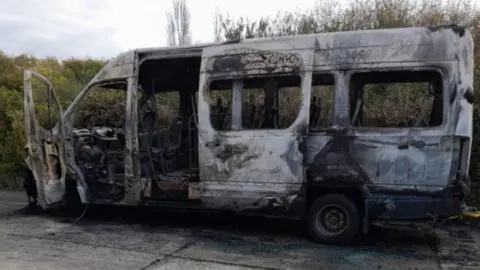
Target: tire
[342, 211]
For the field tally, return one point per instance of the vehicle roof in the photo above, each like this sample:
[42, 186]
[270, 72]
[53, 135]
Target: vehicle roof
[345, 39]
[350, 48]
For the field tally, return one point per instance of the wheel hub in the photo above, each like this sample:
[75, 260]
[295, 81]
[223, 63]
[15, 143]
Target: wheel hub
[332, 220]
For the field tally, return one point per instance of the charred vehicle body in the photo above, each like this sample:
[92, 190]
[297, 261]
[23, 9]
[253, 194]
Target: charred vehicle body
[286, 126]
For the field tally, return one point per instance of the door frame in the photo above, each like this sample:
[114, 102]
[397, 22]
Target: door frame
[42, 144]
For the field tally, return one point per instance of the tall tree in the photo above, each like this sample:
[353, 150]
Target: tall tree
[217, 26]
[178, 24]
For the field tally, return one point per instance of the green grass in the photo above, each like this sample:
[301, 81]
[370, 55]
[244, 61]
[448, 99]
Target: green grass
[11, 176]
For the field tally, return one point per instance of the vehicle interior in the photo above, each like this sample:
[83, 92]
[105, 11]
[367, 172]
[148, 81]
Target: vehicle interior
[168, 145]
[167, 127]
[166, 133]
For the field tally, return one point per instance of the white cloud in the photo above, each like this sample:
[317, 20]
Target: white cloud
[104, 28]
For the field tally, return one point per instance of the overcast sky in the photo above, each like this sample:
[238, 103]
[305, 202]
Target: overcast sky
[104, 28]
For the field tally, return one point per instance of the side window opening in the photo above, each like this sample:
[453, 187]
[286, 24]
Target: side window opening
[220, 98]
[289, 102]
[253, 104]
[267, 102]
[322, 101]
[167, 108]
[47, 112]
[396, 99]
[158, 112]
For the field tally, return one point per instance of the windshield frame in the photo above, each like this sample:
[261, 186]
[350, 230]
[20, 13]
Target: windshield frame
[72, 109]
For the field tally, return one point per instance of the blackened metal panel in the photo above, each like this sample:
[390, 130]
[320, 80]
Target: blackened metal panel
[410, 160]
[254, 169]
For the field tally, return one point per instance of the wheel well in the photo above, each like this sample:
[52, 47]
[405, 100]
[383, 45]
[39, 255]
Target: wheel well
[353, 194]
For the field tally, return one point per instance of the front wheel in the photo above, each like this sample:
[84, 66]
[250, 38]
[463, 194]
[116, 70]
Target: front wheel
[333, 219]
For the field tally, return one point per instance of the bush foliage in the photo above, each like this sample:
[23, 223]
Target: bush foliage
[69, 76]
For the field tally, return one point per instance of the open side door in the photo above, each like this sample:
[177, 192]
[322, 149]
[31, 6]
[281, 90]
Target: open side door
[260, 167]
[45, 139]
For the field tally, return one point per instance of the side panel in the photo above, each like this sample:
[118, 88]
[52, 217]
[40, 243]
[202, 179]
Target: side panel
[463, 106]
[409, 172]
[253, 169]
[404, 172]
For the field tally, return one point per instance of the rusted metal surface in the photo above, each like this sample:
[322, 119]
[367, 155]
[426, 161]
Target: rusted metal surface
[46, 155]
[463, 101]
[243, 61]
[253, 169]
[426, 164]
[246, 169]
[119, 67]
[239, 169]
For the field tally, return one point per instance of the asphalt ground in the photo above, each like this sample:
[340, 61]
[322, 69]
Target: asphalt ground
[133, 238]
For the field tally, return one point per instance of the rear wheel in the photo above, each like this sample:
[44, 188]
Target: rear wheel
[333, 219]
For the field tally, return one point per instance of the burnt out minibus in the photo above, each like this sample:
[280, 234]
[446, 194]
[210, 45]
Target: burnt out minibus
[339, 129]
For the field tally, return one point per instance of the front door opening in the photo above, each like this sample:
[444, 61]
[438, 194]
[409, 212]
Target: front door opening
[99, 123]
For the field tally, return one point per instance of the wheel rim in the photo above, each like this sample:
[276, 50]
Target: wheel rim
[332, 220]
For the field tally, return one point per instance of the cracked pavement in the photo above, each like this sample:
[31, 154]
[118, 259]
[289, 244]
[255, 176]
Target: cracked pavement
[128, 238]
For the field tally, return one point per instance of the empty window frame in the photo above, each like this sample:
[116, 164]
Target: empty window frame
[167, 108]
[388, 99]
[322, 101]
[47, 113]
[220, 99]
[271, 102]
[102, 106]
[267, 102]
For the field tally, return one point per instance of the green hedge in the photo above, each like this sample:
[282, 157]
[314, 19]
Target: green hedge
[69, 76]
